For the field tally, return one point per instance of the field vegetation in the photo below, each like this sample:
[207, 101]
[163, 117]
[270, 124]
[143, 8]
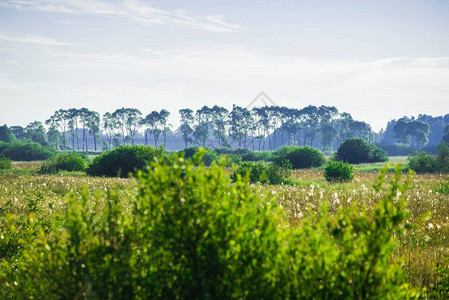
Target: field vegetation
[69, 235]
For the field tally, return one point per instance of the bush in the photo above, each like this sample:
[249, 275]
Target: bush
[5, 163]
[338, 171]
[264, 173]
[208, 157]
[26, 151]
[63, 162]
[357, 151]
[300, 157]
[422, 162]
[124, 160]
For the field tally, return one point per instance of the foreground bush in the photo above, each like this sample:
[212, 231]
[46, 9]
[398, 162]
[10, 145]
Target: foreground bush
[5, 163]
[338, 171]
[300, 157]
[191, 234]
[422, 162]
[26, 151]
[124, 160]
[63, 162]
[357, 151]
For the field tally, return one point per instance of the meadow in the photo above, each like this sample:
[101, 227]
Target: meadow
[423, 245]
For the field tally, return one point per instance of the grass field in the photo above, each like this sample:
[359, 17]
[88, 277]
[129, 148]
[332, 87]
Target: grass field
[421, 248]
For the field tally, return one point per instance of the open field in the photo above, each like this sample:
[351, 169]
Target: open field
[421, 248]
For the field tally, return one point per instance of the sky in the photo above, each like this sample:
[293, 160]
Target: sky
[378, 60]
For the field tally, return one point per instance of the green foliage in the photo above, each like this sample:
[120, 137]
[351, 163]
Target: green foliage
[446, 134]
[442, 276]
[63, 162]
[5, 163]
[125, 160]
[256, 172]
[338, 171]
[246, 154]
[422, 162]
[193, 235]
[207, 238]
[300, 157]
[352, 250]
[6, 134]
[357, 150]
[25, 151]
[443, 188]
[208, 157]
[264, 173]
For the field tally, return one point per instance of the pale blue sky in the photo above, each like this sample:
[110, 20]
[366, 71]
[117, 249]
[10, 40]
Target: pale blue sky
[377, 60]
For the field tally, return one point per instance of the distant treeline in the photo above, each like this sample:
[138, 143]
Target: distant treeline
[259, 128]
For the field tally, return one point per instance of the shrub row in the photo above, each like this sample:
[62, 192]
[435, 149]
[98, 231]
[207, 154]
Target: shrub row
[25, 151]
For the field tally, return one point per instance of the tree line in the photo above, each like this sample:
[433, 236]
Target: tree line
[259, 128]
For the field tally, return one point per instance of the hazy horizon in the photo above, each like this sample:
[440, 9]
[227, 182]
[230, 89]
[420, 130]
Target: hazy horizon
[375, 60]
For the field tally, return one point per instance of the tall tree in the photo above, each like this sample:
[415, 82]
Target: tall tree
[361, 129]
[156, 123]
[405, 129]
[187, 119]
[109, 126]
[18, 131]
[93, 124]
[73, 117]
[219, 124]
[203, 125]
[240, 124]
[35, 131]
[84, 115]
[446, 134]
[128, 120]
[60, 122]
[6, 134]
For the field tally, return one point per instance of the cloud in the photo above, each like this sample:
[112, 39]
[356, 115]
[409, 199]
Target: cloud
[37, 40]
[137, 10]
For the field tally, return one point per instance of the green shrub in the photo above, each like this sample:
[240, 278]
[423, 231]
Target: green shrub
[442, 277]
[300, 157]
[124, 160]
[26, 151]
[208, 157]
[279, 174]
[264, 173]
[257, 172]
[338, 171]
[63, 162]
[5, 163]
[443, 188]
[422, 162]
[357, 151]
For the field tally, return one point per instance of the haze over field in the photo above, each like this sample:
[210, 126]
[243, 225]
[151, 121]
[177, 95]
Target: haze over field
[376, 60]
